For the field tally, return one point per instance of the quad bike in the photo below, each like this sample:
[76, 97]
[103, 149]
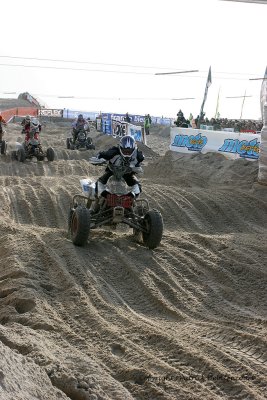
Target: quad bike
[32, 149]
[88, 212]
[83, 141]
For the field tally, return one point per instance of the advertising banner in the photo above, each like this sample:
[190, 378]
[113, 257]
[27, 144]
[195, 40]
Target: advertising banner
[232, 145]
[135, 118]
[106, 124]
[119, 129]
[74, 114]
[140, 119]
[135, 131]
[50, 112]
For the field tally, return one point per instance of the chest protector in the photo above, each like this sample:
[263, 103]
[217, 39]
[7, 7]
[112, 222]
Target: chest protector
[119, 160]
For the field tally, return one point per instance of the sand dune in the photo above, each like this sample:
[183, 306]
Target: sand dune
[114, 320]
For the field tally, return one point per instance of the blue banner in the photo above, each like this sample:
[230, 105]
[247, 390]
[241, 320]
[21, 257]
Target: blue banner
[72, 114]
[135, 118]
[106, 124]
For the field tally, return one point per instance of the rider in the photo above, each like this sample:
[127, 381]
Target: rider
[127, 118]
[2, 122]
[79, 124]
[35, 128]
[26, 122]
[126, 153]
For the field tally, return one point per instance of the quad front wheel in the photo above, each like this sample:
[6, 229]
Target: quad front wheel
[153, 224]
[68, 142]
[14, 155]
[79, 221]
[50, 154]
[3, 147]
[21, 156]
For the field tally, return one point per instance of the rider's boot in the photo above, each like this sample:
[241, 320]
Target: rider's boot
[94, 206]
[135, 190]
[100, 188]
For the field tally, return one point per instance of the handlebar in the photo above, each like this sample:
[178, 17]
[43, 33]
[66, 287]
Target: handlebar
[117, 169]
[97, 161]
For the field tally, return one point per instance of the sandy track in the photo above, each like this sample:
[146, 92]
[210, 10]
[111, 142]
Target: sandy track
[114, 320]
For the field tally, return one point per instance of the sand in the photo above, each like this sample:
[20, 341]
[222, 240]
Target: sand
[114, 320]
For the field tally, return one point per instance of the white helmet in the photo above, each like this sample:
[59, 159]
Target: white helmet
[127, 146]
[34, 123]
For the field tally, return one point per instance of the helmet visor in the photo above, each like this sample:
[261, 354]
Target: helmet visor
[127, 152]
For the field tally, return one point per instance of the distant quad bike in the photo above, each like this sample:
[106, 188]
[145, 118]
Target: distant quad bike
[117, 208]
[83, 142]
[32, 149]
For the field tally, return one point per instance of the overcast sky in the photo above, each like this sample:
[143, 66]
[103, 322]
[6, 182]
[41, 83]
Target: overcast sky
[136, 39]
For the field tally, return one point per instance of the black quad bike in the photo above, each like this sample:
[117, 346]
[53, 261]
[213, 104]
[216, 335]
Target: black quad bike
[82, 142]
[118, 207]
[32, 149]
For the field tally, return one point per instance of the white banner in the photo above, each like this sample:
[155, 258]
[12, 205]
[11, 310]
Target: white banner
[231, 144]
[120, 129]
[50, 112]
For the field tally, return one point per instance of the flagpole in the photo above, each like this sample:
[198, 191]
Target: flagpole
[243, 104]
[217, 105]
[208, 83]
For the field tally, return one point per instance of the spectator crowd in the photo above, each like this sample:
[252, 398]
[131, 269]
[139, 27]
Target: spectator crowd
[218, 124]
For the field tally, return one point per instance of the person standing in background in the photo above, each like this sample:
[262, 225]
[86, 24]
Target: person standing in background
[127, 118]
[147, 124]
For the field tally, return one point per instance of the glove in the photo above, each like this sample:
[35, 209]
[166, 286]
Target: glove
[131, 194]
[104, 193]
